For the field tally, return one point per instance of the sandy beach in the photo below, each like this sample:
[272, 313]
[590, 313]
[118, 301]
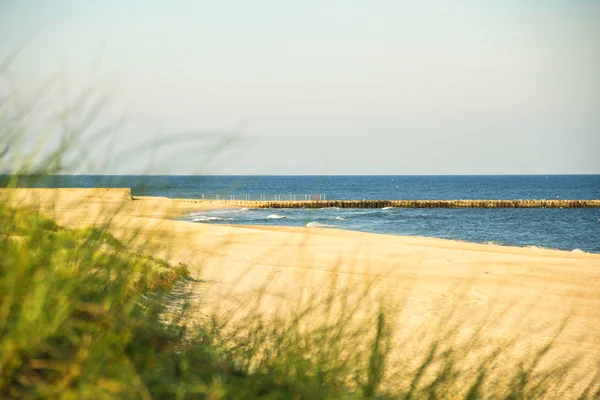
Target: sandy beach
[505, 291]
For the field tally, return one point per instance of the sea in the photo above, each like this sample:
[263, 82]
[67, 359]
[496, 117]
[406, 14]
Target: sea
[571, 229]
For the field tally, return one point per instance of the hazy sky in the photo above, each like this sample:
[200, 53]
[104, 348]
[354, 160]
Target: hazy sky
[330, 87]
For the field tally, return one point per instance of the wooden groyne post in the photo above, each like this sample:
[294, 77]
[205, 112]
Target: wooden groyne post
[420, 203]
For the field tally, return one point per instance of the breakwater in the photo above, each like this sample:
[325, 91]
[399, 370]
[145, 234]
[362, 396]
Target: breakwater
[419, 203]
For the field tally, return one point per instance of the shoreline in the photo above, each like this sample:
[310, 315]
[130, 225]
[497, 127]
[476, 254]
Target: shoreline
[178, 209]
[302, 228]
[452, 243]
[217, 207]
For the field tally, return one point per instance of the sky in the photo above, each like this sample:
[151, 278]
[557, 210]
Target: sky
[320, 87]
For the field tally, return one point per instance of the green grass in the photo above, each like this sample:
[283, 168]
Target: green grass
[73, 307]
[80, 318]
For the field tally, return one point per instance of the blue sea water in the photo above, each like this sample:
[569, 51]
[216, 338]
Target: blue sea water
[566, 229]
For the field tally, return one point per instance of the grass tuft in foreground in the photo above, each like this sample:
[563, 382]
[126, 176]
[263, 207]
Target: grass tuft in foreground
[74, 310]
[80, 317]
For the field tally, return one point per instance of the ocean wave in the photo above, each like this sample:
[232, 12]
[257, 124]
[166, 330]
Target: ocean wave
[316, 224]
[329, 208]
[388, 208]
[533, 246]
[206, 218]
[337, 218]
[217, 212]
[229, 211]
[577, 251]
[275, 216]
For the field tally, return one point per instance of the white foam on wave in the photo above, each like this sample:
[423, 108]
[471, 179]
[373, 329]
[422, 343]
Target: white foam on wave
[217, 212]
[329, 208]
[275, 216]
[316, 224]
[230, 211]
[388, 208]
[206, 218]
[532, 246]
[337, 218]
[577, 251]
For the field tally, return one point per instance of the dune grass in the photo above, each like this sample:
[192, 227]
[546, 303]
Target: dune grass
[80, 317]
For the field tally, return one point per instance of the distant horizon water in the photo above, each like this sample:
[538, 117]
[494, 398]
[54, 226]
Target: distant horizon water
[564, 229]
